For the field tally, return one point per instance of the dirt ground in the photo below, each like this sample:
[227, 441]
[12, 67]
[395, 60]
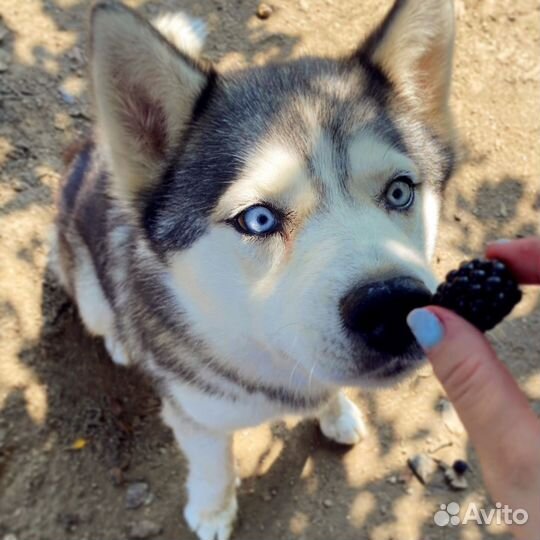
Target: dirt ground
[77, 433]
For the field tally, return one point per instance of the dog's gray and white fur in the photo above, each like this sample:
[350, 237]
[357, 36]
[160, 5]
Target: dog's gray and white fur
[238, 327]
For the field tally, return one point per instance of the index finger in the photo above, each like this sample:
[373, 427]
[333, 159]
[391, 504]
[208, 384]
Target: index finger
[522, 257]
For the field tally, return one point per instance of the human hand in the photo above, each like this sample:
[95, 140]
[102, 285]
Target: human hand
[502, 427]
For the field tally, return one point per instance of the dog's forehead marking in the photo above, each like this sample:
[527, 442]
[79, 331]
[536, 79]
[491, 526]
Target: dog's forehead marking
[274, 174]
[357, 164]
[348, 143]
[298, 181]
[371, 156]
[324, 160]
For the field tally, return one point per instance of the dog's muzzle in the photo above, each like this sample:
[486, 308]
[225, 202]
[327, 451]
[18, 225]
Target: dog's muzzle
[376, 312]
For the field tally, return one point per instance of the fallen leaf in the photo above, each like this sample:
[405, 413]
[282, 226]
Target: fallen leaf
[79, 444]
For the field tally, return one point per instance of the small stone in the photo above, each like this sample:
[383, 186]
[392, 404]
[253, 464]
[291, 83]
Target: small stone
[304, 5]
[457, 482]
[70, 522]
[77, 112]
[328, 503]
[422, 466]
[76, 55]
[393, 479]
[143, 529]
[267, 497]
[67, 98]
[9, 536]
[264, 11]
[61, 121]
[450, 417]
[137, 494]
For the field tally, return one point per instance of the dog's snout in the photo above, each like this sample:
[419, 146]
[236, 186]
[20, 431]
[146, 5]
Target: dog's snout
[377, 312]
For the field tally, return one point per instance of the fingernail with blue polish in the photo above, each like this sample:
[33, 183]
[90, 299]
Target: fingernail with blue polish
[425, 326]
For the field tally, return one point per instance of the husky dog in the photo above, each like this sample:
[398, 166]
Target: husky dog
[254, 240]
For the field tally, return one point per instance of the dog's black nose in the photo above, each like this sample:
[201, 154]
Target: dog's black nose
[377, 312]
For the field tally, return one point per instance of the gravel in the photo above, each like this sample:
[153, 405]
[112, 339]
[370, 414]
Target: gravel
[423, 466]
[143, 529]
[137, 495]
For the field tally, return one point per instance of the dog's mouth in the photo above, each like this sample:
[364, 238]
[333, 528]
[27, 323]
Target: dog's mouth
[376, 370]
[396, 369]
[390, 362]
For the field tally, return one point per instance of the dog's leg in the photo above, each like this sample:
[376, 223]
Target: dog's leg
[211, 484]
[342, 421]
[116, 350]
[94, 308]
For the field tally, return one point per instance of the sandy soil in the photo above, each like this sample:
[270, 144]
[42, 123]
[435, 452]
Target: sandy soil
[57, 384]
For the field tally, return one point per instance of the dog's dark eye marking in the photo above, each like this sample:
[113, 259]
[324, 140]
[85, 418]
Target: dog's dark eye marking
[258, 220]
[399, 193]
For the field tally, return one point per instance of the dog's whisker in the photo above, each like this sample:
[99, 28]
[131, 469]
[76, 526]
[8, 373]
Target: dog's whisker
[297, 363]
[310, 378]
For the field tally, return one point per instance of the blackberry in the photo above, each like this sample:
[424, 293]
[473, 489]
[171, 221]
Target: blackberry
[481, 291]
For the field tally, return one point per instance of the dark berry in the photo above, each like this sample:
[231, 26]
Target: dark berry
[460, 467]
[481, 291]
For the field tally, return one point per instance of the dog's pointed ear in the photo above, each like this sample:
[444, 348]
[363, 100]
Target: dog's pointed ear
[413, 47]
[145, 91]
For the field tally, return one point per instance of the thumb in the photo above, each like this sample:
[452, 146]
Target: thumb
[484, 393]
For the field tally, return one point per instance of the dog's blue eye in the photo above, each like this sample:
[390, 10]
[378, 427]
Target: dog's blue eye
[400, 193]
[258, 220]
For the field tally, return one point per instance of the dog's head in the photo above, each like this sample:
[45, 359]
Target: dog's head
[295, 205]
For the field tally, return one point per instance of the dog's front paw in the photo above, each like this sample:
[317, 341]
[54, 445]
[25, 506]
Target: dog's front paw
[342, 422]
[212, 524]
